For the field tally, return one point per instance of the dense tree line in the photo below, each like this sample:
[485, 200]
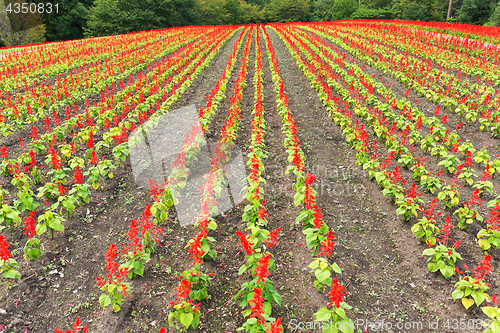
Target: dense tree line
[84, 18]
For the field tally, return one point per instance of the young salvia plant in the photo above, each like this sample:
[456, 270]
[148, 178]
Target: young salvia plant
[491, 236]
[442, 257]
[468, 214]
[334, 315]
[410, 205]
[493, 313]
[472, 288]
[425, 229]
[32, 249]
[8, 264]
[113, 285]
[135, 256]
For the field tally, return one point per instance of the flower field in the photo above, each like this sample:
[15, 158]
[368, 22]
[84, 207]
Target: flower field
[368, 198]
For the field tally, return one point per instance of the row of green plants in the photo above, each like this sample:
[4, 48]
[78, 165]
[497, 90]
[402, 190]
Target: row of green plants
[51, 220]
[320, 239]
[444, 255]
[194, 282]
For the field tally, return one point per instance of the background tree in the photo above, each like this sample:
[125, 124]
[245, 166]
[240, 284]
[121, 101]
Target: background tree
[416, 12]
[373, 14]
[180, 12]
[495, 18]
[23, 29]
[376, 4]
[288, 11]
[122, 16]
[343, 9]
[260, 3]
[103, 19]
[323, 10]
[475, 11]
[212, 12]
[68, 22]
[251, 13]
[232, 8]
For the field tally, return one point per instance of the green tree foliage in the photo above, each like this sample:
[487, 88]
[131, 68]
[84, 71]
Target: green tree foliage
[419, 10]
[495, 18]
[122, 16]
[375, 4]
[68, 21]
[260, 3]
[232, 8]
[373, 14]
[103, 19]
[251, 13]
[287, 11]
[69, 26]
[416, 12]
[475, 11]
[28, 29]
[323, 10]
[212, 12]
[343, 9]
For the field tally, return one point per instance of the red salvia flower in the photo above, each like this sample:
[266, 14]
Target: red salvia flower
[297, 160]
[261, 271]
[446, 231]
[3, 151]
[486, 173]
[153, 189]
[4, 249]
[183, 290]
[257, 305]
[111, 254]
[327, 244]
[418, 124]
[34, 133]
[32, 157]
[132, 233]
[90, 141]
[56, 160]
[94, 159]
[195, 248]
[275, 327]
[21, 143]
[483, 269]
[61, 188]
[272, 239]
[262, 212]
[246, 244]
[56, 119]
[78, 178]
[494, 220]
[318, 219]
[309, 199]
[30, 223]
[436, 112]
[115, 272]
[336, 294]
